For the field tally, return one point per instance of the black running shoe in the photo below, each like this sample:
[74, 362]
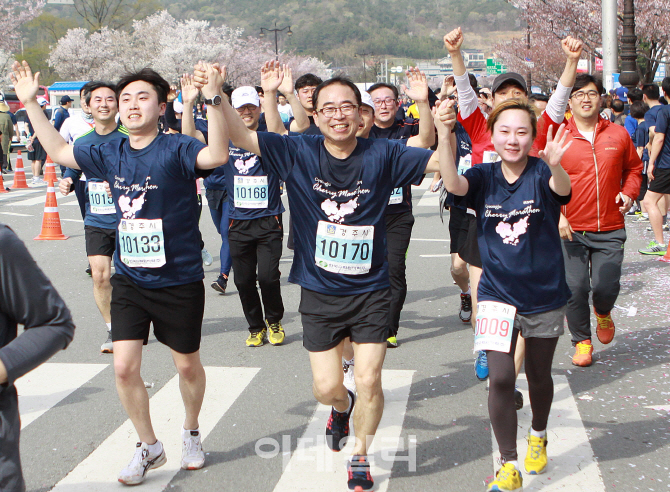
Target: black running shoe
[518, 399]
[220, 284]
[88, 271]
[337, 427]
[358, 472]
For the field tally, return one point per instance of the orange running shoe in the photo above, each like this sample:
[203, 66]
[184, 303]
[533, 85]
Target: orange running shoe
[583, 354]
[605, 329]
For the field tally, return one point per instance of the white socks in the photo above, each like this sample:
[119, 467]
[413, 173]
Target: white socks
[535, 433]
[156, 448]
[109, 326]
[515, 463]
[469, 292]
[349, 362]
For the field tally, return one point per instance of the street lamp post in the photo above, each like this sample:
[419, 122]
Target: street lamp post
[276, 31]
[629, 76]
[365, 72]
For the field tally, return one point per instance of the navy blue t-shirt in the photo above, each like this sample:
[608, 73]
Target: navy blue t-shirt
[153, 188]
[517, 233]
[343, 202]
[641, 139]
[662, 126]
[107, 219]
[650, 115]
[464, 152]
[253, 192]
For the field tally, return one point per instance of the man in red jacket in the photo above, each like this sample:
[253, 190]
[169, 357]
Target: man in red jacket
[605, 172]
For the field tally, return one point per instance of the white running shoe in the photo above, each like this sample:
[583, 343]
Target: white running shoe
[141, 463]
[192, 455]
[349, 381]
[108, 346]
[206, 257]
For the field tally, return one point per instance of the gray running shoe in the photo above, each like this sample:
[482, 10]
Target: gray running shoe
[653, 248]
[108, 346]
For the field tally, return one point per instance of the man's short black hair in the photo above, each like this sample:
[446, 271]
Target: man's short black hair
[584, 79]
[473, 82]
[634, 94]
[85, 89]
[617, 106]
[538, 97]
[651, 91]
[336, 80]
[227, 89]
[638, 109]
[94, 86]
[380, 85]
[160, 85]
[307, 80]
[665, 85]
[259, 90]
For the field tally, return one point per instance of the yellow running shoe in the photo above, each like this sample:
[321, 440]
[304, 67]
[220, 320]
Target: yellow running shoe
[257, 338]
[276, 333]
[536, 455]
[508, 479]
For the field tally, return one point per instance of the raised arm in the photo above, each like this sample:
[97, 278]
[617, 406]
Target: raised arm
[467, 97]
[418, 91]
[189, 93]
[26, 86]
[238, 133]
[558, 101]
[272, 75]
[552, 155]
[216, 152]
[300, 121]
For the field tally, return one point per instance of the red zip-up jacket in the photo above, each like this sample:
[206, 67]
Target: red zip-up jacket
[598, 173]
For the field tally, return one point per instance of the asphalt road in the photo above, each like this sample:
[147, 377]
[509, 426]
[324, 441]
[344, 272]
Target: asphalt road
[613, 417]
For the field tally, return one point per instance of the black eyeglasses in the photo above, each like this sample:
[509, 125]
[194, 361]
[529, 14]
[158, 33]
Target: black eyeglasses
[345, 109]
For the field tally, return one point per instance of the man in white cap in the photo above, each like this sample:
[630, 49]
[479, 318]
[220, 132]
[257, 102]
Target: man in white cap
[7, 131]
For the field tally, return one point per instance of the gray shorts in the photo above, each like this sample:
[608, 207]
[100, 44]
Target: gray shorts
[549, 324]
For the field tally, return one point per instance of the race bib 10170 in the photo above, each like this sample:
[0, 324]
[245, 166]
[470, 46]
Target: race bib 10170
[344, 249]
[495, 323]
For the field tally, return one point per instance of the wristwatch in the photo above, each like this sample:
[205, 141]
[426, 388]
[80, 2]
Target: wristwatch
[215, 101]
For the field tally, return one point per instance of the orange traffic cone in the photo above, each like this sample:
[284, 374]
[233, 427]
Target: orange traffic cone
[19, 174]
[51, 228]
[2, 186]
[666, 256]
[50, 171]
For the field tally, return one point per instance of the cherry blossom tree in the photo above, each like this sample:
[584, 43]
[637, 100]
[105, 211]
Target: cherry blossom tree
[548, 22]
[13, 14]
[171, 48]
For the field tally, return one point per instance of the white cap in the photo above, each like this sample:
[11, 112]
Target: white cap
[177, 106]
[366, 99]
[42, 102]
[245, 95]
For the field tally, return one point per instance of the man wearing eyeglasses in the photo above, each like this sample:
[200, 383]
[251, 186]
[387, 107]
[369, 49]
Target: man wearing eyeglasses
[338, 188]
[605, 172]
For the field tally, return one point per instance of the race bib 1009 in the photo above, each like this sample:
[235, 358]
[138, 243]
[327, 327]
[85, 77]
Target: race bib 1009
[141, 243]
[396, 196]
[251, 192]
[344, 249]
[100, 202]
[495, 323]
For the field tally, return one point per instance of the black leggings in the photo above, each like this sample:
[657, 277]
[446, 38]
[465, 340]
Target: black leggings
[539, 357]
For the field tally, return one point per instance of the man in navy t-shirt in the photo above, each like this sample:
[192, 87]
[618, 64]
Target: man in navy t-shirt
[100, 217]
[338, 188]
[158, 263]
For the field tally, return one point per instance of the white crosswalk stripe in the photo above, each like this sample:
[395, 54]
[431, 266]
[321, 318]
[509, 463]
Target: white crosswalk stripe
[572, 466]
[49, 384]
[313, 466]
[99, 471]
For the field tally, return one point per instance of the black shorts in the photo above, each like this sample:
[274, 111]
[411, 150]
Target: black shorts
[327, 320]
[458, 228]
[469, 250]
[99, 241]
[643, 188]
[661, 181]
[176, 313]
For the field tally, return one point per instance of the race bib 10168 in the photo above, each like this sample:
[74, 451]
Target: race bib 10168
[344, 249]
[251, 192]
[100, 202]
[396, 196]
[495, 323]
[141, 243]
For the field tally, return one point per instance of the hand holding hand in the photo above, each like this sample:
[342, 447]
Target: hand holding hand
[444, 117]
[555, 148]
[215, 77]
